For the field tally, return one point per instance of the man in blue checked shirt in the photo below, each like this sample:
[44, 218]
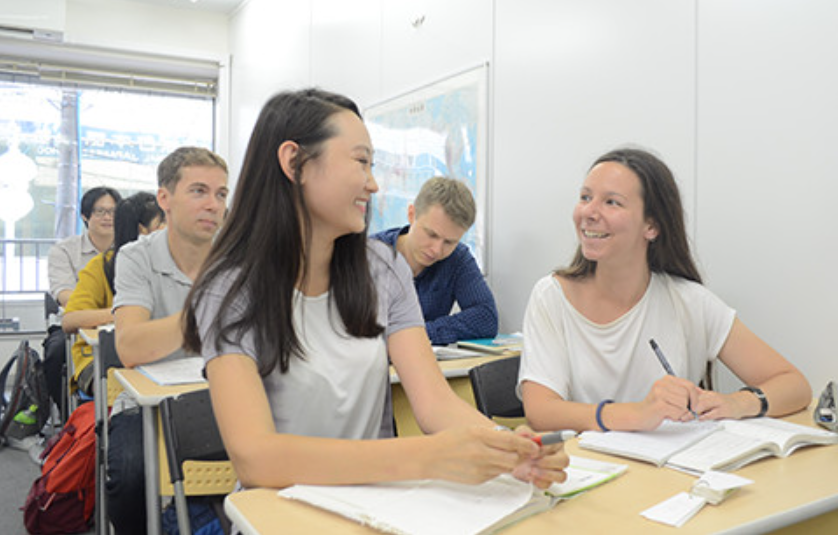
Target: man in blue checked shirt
[444, 271]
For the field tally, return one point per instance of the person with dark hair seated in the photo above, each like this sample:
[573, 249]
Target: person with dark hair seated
[90, 303]
[66, 259]
[621, 338]
[298, 317]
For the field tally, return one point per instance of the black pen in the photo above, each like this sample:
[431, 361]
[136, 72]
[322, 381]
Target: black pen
[667, 367]
[661, 357]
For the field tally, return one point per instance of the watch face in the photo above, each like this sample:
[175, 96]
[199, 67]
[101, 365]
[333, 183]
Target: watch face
[826, 413]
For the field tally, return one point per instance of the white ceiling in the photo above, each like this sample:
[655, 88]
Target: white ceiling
[219, 6]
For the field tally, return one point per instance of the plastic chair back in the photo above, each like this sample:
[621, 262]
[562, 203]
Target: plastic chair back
[493, 384]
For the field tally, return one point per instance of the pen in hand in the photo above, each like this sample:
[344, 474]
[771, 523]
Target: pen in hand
[661, 357]
[667, 368]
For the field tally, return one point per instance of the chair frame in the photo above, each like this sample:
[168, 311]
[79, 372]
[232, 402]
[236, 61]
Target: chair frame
[190, 433]
[105, 357]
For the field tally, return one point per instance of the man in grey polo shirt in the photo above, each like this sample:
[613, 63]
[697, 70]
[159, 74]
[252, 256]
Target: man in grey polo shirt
[153, 278]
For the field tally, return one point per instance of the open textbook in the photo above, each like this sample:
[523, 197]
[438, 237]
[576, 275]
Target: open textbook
[439, 507]
[723, 445]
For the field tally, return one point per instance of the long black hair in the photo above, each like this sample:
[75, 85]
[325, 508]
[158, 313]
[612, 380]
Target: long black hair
[670, 251]
[138, 209]
[264, 239]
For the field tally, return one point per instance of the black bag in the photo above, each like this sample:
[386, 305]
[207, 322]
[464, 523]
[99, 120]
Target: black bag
[25, 406]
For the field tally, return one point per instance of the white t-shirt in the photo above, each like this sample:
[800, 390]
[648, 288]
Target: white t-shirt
[587, 362]
[340, 389]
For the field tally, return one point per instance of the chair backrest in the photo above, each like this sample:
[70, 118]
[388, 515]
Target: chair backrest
[50, 305]
[493, 384]
[190, 431]
[107, 351]
[110, 360]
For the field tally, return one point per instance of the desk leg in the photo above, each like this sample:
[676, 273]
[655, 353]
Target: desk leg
[100, 407]
[152, 484]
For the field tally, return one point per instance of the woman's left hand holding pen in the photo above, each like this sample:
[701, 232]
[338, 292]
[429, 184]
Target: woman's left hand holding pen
[476, 454]
[548, 466]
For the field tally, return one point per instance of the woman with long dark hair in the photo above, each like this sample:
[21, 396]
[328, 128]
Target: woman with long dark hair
[589, 360]
[296, 313]
[90, 304]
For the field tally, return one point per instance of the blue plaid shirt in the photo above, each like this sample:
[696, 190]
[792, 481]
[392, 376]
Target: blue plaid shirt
[454, 279]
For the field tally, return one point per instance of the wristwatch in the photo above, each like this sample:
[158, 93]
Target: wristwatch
[763, 401]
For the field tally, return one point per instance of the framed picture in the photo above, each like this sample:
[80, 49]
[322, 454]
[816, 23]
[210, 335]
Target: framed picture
[436, 130]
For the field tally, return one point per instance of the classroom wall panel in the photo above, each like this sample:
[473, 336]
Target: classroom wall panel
[424, 41]
[122, 24]
[767, 224]
[573, 80]
[346, 47]
[270, 45]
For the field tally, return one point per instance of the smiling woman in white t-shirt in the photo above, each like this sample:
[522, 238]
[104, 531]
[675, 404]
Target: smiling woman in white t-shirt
[587, 361]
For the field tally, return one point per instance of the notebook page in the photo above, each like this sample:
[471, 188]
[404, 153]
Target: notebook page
[583, 474]
[776, 431]
[721, 447]
[655, 446]
[420, 507]
[175, 372]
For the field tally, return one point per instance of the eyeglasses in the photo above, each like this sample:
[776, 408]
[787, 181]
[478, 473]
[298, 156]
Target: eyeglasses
[102, 212]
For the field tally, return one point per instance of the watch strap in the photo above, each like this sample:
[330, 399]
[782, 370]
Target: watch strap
[763, 401]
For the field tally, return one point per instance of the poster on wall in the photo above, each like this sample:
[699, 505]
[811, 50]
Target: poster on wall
[437, 130]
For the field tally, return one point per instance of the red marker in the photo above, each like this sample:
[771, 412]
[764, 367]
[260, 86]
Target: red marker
[554, 438]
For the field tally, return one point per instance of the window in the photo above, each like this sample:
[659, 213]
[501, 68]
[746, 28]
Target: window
[58, 140]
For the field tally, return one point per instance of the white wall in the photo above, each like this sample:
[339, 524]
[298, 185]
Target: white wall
[767, 223]
[737, 96]
[146, 28]
[270, 49]
[572, 81]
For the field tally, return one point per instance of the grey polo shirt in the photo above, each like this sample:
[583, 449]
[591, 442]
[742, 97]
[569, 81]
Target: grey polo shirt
[66, 258]
[147, 276]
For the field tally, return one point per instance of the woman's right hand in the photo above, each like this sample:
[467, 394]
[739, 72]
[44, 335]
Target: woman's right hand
[670, 398]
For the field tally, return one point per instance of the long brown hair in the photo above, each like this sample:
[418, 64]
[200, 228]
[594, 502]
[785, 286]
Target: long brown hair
[264, 240]
[670, 251]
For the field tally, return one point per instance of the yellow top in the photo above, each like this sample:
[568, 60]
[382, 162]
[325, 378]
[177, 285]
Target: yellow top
[91, 292]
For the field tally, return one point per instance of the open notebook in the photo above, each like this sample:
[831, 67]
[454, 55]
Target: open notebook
[175, 372]
[440, 507]
[723, 445]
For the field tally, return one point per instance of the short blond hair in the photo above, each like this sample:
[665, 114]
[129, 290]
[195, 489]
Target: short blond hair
[169, 170]
[452, 195]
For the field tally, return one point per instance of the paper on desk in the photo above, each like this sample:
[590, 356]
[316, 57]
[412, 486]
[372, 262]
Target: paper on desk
[676, 510]
[715, 487]
[175, 372]
[452, 352]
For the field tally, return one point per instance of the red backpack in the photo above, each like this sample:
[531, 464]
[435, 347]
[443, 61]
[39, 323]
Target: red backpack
[62, 500]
